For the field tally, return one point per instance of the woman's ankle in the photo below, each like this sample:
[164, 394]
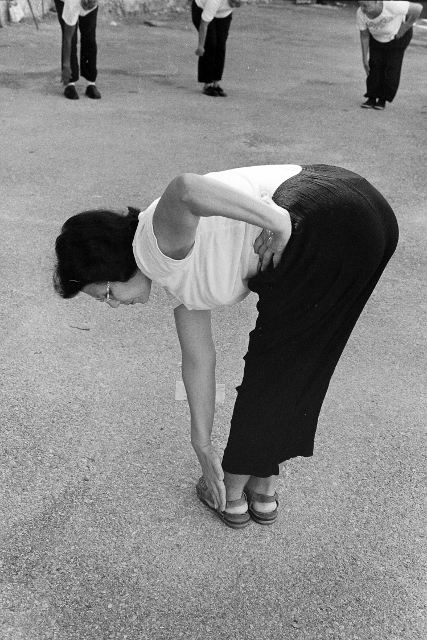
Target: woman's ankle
[265, 486]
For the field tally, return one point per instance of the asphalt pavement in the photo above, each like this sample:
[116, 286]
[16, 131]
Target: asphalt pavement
[102, 536]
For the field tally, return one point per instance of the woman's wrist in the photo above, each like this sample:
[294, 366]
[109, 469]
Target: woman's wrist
[280, 223]
[200, 438]
[200, 446]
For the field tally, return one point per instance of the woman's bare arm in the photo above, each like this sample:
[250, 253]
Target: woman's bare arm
[412, 16]
[198, 373]
[364, 43]
[190, 196]
[203, 29]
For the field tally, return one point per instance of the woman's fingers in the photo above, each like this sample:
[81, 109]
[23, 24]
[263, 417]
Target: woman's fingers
[266, 258]
[258, 243]
[261, 240]
[267, 252]
[277, 256]
[219, 486]
[217, 490]
[214, 476]
[222, 500]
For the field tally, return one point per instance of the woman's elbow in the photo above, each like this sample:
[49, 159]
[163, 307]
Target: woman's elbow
[418, 9]
[184, 186]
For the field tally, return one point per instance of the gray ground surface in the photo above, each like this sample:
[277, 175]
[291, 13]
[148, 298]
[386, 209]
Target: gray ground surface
[102, 535]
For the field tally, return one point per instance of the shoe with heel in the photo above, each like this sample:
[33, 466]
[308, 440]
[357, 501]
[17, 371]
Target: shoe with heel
[233, 520]
[261, 517]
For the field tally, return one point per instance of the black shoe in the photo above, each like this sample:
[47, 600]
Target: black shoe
[380, 105]
[220, 92]
[210, 91]
[92, 92]
[369, 104]
[70, 92]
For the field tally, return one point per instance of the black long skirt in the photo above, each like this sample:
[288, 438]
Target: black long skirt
[344, 233]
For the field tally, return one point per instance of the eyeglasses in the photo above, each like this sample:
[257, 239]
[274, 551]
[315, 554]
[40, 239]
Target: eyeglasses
[107, 297]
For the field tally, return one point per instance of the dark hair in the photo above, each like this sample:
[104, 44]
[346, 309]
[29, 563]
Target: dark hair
[94, 246]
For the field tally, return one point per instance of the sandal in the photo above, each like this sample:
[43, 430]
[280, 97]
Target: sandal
[233, 520]
[261, 517]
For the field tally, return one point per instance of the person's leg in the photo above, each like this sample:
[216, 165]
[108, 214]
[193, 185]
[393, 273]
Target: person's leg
[393, 69]
[308, 307]
[265, 486]
[74, 65]
[222, 26]
[205, 67]
[376, 69]
[234, 485]
[88, 46]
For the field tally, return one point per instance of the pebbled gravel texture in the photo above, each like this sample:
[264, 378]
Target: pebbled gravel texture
[102, 535]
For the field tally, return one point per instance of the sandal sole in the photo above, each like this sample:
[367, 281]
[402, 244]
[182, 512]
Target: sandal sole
[260, 520]
[232, 525]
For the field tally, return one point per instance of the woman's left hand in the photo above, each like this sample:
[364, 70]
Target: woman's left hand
[270, 245]
[402, 30]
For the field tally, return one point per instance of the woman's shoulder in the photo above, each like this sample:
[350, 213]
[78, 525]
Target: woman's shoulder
[144, 230]
[396, 7]
[145, 214]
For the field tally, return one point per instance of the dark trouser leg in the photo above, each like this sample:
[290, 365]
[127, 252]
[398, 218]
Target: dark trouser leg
[206, 65]
[74, 65]
[385, 66]
[308, 306]
[88, 46]
[222, 27]
[394, 66]
[377, 62]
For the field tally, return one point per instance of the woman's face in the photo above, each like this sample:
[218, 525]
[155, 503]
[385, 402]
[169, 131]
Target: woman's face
[88, 4]
[134, 291]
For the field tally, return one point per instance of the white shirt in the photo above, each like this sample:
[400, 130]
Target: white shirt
[385, 26]
[216, 271]
[72, 10]
[214, 9]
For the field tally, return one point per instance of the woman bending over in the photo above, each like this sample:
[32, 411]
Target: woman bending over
[311, 241]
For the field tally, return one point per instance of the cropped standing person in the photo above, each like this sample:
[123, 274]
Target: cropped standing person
[385, 33]
[83, 13]
[312, 241]
[212, 19]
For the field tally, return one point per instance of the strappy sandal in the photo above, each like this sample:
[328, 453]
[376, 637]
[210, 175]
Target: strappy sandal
[261, 517]
[233, 520]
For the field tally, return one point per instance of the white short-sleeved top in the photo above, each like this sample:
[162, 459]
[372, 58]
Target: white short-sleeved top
[214, 9]
[216, 271]
[72, 10]
[385, 26]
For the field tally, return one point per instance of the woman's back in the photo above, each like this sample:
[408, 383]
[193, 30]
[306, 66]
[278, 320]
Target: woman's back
[216, 271]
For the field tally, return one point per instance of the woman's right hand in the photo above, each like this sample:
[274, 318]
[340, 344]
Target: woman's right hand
[213, 473]
[200, 51]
